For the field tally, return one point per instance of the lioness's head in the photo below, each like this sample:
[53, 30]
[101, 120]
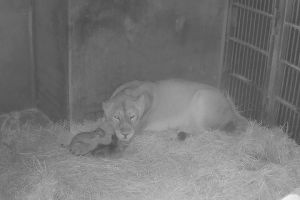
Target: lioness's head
[124, 113]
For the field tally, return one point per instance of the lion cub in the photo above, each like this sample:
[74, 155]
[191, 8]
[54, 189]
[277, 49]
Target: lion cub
[101, 141]
[184, 106]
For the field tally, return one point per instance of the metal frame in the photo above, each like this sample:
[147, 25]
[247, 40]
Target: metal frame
[287, 99]
[262, 61]
[248, 53]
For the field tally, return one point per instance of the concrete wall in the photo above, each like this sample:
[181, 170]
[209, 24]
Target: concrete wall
[51, 57]
[15, 58]
[115, 41]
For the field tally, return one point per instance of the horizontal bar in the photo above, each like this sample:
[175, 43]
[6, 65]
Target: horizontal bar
[246, 80]
[288, 104]
[292, 25]
[239, 5]
[266, 53]
[290, 65]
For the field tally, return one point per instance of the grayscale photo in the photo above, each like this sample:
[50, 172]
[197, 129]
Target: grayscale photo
[149, 99]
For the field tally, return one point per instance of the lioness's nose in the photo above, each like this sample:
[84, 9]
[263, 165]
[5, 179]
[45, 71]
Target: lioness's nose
[125, 133]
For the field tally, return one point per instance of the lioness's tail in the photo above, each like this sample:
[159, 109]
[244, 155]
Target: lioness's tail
[239, 123]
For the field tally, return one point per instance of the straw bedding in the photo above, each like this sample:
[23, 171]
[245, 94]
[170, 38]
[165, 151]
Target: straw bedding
[260, 163]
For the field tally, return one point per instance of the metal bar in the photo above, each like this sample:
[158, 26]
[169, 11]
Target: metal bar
[293, 47]
[293, 13]
[239, 23]
[284, 83]
[33, 67]
[297, 131]
[297, 56]
[247, 28]
[252, 9]
[252, 25]
[288, 104]
[249, 45]
[293, 121]
[293, 88]
[297, 98]
[236, 46]
[297, 22]
[291, 65]
[290, 44]
[245, 80]
[261, 31]
[224, 46]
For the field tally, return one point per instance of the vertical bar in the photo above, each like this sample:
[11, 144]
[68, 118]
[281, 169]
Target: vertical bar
[233, 89]
[297, 22]
[32, 53]
[291, 35]
[297, 98]
[293, 13]
[279, 114]
[294, 86]
[261, 66]
[287, 80]
[263, 7]
[286, 124]
[296, 47]
[261, 30]
[297, 50]
[284, 83]
[298, 129]
[226, 32]
[247, 24]
[240, 24]
[294, 124]
[252, 22]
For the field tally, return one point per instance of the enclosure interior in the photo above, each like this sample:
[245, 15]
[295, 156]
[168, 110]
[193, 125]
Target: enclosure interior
[66, 57]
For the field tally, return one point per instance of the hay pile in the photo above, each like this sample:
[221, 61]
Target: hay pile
[259, 164]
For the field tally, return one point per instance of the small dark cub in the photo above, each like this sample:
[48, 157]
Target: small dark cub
[182, 136]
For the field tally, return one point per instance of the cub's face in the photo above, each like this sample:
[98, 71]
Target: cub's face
[124, 115]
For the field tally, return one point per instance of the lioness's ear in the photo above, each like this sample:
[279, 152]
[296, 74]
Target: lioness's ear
[106, 106]
[141, 104]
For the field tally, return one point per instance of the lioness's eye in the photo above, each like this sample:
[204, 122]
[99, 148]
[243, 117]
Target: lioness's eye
[116, 117]
[132, 117]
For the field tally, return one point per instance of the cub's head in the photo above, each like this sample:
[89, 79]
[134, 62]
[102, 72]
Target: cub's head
[124, 113]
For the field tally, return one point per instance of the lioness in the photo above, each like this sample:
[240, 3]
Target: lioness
[184, 106]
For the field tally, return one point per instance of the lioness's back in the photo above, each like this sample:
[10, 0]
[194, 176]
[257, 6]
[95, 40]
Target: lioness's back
[172, 97]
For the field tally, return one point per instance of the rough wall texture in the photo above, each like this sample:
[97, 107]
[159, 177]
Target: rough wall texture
[15, 62]
[51, 57]
[114, 41]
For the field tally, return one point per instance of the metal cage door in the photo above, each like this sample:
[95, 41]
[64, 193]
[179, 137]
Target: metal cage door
[262, 61]
[286, 109]
[248, 54]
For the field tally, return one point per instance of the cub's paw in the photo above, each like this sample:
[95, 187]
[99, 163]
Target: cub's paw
[85, 142]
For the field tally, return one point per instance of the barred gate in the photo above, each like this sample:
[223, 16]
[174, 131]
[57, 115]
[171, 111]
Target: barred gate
[287, 99]
[262, 61]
